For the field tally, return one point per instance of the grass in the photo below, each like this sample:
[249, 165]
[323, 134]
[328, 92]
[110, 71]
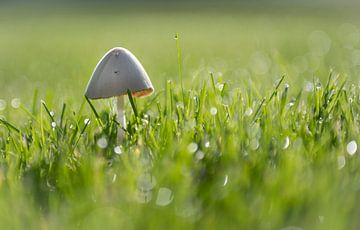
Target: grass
[228, 157]
[267, 145]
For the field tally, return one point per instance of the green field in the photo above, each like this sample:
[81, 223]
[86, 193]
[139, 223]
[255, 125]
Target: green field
[262, 135]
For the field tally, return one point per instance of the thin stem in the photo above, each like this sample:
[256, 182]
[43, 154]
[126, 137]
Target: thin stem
[179, 65]
[121, 118]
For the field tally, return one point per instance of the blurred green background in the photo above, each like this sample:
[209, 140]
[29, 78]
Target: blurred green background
[53, 46]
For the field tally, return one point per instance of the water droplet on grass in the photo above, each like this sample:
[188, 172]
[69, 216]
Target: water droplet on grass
[164, 197]
[180, 105]
[351, 147]
[220, 86]
[117, 150]
[318, 86]
[199, 155]
[207, 144]
[248, 112]
[226, 179]
[192, 147]
[114, 178]
[52, 113]
[2, 105]
[144, 122]
[254, 144]
[341, 162]
[53, 124]
[213, 111]
[286, 143]
[102, 142]
[87, 121]
[15, 103]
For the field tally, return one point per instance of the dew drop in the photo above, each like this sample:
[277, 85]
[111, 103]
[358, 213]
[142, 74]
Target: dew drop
[207, 144]
[351, 147]
[286, 143]
[102, 142]
[53, 124]
[144, 122]
[226, 179]
[52, 113]
[15, 103]
[164, 197]
[2, 105]
[341, 162]
[117, 150]
[199, 155]
[86, 121]
[248, 112]
[254, 144]
[114, 178]
[213, 111]
[180, 105]
[192, 147]
[220, 86]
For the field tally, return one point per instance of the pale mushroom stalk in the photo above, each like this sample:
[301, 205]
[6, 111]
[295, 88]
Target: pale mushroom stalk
[117, 72]
[121, 119]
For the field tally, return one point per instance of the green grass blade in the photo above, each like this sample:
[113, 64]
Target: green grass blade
[9, 125]
[132, 102]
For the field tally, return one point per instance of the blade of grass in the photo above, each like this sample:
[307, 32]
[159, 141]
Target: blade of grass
[132, 102]
[276, 88]
[81, 133]
[9, 125]
[34, 101]
[258, 109]
[47, 111]
[62, 115]
[177, 38]
[213, 82]
[95, 112]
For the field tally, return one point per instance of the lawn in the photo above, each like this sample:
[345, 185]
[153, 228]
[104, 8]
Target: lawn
[254, 122]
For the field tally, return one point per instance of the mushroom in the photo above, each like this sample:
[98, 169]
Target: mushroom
[117, 72]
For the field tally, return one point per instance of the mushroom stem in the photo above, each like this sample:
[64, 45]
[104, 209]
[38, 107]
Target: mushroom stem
[121, 118]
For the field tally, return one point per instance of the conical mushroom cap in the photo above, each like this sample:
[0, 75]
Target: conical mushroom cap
[118, 71]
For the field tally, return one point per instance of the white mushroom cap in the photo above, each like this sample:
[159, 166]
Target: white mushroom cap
[118, 71]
